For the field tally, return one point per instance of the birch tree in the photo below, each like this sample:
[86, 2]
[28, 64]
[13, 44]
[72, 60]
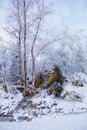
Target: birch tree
[42, 12]
[29, 16]
[15, 30]
[19, 30]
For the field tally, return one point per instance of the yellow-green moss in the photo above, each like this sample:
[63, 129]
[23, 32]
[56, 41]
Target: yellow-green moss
[47, 79]
[54, 90]
[50, 78]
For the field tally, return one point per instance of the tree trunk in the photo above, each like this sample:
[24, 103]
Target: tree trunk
[33, 67]
[32, 52]
[20, 60]
[19, 44]
[25, 63]
[4, 79]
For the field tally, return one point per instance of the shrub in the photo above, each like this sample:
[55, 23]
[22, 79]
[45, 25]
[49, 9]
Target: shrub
[56, 90]
[45, 80]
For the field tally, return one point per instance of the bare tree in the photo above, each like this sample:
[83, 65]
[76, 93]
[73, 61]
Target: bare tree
[25, 31]
[19, 41]
[42, 11]
[19, 30]
[26, 7]
[15, 30]
[29, 15]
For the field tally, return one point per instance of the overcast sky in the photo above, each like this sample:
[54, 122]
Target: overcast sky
[71, 13]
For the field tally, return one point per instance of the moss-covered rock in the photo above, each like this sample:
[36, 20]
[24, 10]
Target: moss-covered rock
[45, 80]
[54, 77]
[51, 78]
[56, 90]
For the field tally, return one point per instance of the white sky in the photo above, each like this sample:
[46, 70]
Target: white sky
[70, 13]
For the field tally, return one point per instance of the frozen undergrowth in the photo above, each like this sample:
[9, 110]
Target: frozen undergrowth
[8, 102]
[43, 104]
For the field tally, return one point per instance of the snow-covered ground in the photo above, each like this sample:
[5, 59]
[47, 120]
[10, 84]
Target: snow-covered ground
[59, 122]
[44, 112]
[8, 102]
[43, 104]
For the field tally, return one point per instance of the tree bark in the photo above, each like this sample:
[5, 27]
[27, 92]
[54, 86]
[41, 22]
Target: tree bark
[4, 79]
[25, 32]
[32, 52]
[19, 44]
